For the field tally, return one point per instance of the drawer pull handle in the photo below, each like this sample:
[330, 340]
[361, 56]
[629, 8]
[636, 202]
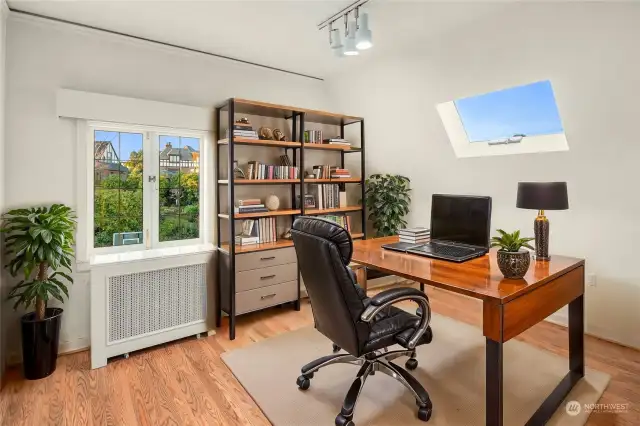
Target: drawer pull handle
[267, 277]
[267, 296]
[268, 258]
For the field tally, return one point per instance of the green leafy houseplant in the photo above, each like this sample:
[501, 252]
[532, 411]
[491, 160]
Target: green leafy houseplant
[39, 240]
[510, 242]
[387, 198]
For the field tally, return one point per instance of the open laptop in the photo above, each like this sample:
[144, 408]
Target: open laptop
[460, 228]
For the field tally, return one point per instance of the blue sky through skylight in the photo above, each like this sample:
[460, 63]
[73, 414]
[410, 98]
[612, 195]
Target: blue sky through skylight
[528, 110]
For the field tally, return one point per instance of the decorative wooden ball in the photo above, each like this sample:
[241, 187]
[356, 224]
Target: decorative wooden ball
[272, 202]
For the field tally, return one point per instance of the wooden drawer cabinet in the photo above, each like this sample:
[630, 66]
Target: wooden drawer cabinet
[263, 297]
[256, 278]
[263, 259]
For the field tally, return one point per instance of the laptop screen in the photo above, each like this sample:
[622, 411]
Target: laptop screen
[461, 219]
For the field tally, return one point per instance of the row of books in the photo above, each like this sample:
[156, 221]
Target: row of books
[251, 205]
[414, 235]
[328, 196]
[312, 136]
[326, 172]
[261, 171]
[341, 219]
[258, 231]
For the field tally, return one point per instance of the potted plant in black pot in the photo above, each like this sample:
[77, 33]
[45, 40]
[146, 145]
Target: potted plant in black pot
[39, 243]
[513, 261]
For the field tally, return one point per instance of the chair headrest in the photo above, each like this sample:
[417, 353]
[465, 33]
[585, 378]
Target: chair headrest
[326, 230]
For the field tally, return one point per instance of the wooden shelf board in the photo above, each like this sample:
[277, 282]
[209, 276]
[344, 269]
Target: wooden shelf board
[313, 212]
[261, 214]
[335, 180]
[260, 142]
[328, 147]
[270, 246]
[246, 106]
[259, 181]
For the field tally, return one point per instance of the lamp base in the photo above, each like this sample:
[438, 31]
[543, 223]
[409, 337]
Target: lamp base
[541, 234]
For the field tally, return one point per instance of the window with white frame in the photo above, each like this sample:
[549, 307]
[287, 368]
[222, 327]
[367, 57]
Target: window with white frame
[146, 189]
[522, 119]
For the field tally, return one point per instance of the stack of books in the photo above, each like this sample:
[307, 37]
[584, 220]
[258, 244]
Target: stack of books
[257, 170]
[337, 141]
[313, 136]
[414, 235]
[258, 231]
[243, 130]
[252, 205]
[337, 173]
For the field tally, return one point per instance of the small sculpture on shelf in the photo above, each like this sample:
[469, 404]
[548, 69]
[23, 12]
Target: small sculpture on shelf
[286, 235]
[243, 120]
[272, 202]
[278, 135]
[265, 133]
[237, 171]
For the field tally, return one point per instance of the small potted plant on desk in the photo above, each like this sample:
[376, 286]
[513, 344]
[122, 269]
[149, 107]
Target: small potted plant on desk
[513, 261]
[40, 242]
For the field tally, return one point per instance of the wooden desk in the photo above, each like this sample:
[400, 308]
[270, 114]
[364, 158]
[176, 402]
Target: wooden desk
[509, 307]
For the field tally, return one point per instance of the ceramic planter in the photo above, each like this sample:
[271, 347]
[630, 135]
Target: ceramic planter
[40, 343]
[514, 265]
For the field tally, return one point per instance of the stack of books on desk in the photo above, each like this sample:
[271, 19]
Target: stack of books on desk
[414, 235]
[252, 205]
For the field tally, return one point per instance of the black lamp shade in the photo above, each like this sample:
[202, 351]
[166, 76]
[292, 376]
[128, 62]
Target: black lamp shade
[542, 196]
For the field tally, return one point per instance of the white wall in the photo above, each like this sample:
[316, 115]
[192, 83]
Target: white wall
[40, 157]
[3, 20]
[590, 53]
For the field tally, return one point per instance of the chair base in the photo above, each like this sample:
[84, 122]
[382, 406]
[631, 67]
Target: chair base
[369, 364]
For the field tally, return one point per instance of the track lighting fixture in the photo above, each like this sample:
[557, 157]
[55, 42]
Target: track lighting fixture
[357, 34]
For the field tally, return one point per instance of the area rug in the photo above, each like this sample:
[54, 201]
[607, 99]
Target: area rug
[451, 368]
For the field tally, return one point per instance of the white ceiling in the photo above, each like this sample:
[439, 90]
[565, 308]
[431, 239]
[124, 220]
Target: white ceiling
[277, 33]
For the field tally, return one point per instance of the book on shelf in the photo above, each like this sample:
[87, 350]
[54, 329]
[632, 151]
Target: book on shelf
[259, 171]
[341, 219]
[312, 136]
[327, 196]
[256, 208]
[336, 139]
[263, 230]
[244, 240]
[249, 202]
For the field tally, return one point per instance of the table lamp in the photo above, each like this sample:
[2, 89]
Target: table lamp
[542, 196]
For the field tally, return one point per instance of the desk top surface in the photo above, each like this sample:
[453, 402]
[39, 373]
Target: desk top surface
[479, 278]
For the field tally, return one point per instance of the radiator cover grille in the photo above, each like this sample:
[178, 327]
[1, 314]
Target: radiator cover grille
[147, 302]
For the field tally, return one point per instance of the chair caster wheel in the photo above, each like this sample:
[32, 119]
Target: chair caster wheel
[303, 383]
[336, 348]
[411, 364]
[343, 421]
[424, 413]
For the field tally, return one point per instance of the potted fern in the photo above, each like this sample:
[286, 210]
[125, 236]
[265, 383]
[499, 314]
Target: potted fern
[513, 261]
[387, 198]
[39, 243]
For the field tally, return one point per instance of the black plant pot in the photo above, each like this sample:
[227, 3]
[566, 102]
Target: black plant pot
[40, 343]
[514, 265]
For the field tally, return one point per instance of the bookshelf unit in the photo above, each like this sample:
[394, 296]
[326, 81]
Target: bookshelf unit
[232, 296]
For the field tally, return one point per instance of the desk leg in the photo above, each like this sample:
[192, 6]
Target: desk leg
[576, 336]
[493, 392]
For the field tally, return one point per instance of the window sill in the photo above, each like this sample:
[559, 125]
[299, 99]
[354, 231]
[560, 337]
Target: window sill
[138, 255]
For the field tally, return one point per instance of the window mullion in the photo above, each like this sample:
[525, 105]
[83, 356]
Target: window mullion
[149, 187]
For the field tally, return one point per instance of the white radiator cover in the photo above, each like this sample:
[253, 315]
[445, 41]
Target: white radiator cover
[153, 301]
[140, 304]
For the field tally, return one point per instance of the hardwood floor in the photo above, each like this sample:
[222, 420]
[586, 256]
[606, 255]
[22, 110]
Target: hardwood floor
[187, 383]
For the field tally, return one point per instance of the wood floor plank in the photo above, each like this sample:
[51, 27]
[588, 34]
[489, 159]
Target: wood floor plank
[187, 383]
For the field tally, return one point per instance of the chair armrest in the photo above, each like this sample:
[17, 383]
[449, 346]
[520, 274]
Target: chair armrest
[389, 297]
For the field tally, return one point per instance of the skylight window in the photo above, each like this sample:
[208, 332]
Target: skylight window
[521, 119]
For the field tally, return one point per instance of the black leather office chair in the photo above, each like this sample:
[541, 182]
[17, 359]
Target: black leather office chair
[364, 327]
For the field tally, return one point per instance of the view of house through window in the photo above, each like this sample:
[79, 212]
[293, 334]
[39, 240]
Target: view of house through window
[118, 188]
[179, 188]
[510, 114]
[122, 206]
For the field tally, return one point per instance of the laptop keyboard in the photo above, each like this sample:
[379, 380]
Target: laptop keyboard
[447, 250]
